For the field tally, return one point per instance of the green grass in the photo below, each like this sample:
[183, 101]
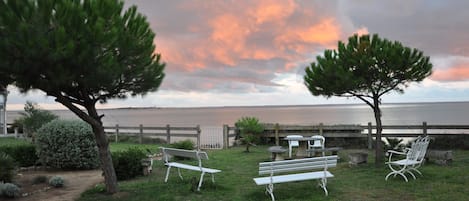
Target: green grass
[364, 182]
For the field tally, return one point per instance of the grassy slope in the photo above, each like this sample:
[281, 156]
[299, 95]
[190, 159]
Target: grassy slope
[365, 182]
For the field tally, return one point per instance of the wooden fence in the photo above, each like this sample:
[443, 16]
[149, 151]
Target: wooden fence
[279, 131]
[164, 132]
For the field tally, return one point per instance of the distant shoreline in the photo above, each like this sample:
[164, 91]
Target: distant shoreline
[268, 106]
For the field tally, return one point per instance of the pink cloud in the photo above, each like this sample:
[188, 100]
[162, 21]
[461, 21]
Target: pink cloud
[456, 73]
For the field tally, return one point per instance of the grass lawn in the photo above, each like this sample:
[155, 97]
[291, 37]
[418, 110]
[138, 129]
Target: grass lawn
[11, 141]
[364, 182]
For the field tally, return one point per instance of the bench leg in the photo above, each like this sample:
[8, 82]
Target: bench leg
[395, 172]
[201, 180]
[270, 189]
[323, 184]
[167, 174]
[213, 178]
[179, 172]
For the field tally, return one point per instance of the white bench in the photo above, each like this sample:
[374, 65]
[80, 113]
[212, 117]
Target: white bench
[169, 153]
[294, 170]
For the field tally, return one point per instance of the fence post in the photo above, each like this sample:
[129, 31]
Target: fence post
[198, 137]
[140, 137]
[116, 138]
[424, 128]
[370, 138]
[321, 129]
[168, 134]
[277, 143]
[225, 136]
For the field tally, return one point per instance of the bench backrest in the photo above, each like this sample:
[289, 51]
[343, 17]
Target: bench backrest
[418, 149]
[199, 155]
[297, 165]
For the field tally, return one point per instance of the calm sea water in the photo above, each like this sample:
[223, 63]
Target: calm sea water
[393, 114]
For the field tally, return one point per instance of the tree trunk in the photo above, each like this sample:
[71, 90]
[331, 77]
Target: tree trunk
[379, 157]
[110, 178]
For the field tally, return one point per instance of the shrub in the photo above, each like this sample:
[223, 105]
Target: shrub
[127, 164]
[10, 190]
[250, 129]
[7, 167]
[67, 144]
[33, 118]
[39, 179]
[185, 144]
[24, 154]
[56, 181]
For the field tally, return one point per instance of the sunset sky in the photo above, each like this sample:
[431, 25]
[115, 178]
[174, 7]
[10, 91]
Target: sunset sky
[254, 52]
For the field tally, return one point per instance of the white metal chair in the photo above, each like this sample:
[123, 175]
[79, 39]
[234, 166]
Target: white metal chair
[415, 156]
[292, 142]
[318, 142]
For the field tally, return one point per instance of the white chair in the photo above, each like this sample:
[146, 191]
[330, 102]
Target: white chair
[292, 142]
[317, 142]
[415, 156]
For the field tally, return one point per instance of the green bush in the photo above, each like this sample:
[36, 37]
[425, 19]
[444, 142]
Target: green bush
[24, 154]
[67, 144]
[56, 181]
[127, 164]
[250, 130]
[39, 179]
[7, 167]
[185, 144]
[10, 190]
[33, 118]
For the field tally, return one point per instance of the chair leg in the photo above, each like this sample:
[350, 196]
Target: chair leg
[395, 172]
[213, 178]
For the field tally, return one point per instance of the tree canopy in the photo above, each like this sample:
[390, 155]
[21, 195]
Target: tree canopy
[81, 52]
[367, 68]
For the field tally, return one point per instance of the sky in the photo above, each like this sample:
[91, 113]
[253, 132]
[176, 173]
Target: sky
[254, 52]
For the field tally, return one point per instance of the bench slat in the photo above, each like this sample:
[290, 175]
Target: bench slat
[334, 157]
[292, 177]
[191, 167]
[185, 153]
[300, 167]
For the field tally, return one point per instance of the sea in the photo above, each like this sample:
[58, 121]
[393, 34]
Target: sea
[436, 113]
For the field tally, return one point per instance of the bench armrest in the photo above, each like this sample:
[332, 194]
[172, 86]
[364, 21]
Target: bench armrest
[396, 152]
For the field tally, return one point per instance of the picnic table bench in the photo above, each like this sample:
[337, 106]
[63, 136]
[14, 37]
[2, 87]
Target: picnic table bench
[296, 170]
[199, 155]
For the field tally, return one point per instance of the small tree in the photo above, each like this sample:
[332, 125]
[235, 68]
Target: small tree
[367, 68]
[33, 118]
[80, 53]
[250, 129]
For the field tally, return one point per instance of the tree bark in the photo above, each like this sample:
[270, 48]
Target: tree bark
[110, 178]
[379, 154]
[92, 118]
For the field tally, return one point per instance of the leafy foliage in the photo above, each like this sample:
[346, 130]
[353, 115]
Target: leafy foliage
[184, 144]
[367, 68]
[394, 144]
[67, 144]
[250, 128]
[23, 154]
[7, 167]
[56, 181]
[80, 53]
[33, 118]
[128, 163]
[10, 190]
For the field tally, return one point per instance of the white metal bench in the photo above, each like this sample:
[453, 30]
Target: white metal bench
[294, 170]
[415, 156]
[199, 155]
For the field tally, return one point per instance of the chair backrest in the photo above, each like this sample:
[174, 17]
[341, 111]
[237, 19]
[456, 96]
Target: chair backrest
[318, 141]
[294, 142]
[418, 149]
[297, 165]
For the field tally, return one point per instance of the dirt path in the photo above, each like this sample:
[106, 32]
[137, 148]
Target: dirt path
[76, 182]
